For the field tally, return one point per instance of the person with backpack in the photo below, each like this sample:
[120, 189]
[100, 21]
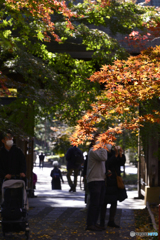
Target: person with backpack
[75, 159]
[56, 176]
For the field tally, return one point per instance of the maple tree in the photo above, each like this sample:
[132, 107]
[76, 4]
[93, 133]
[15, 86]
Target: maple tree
[50, 82]
[130, 99]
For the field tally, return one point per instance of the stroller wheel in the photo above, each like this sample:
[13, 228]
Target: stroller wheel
[27, 234]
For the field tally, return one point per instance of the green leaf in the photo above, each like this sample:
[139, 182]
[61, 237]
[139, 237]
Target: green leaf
[6, 33]
[40, 36]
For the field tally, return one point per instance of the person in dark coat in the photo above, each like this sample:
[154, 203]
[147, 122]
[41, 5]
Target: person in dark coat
[75, 159]
[56, 177]
[84, 174]
[41, 160]
[116, 158]
[12, 159]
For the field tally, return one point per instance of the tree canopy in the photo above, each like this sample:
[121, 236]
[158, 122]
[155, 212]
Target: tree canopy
[51, 82]
[130, 99]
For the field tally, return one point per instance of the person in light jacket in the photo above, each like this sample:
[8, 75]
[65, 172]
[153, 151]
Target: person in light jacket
[96, 184]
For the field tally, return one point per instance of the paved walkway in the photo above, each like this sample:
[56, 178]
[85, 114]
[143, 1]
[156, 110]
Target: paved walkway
[58, 214]
[69, 223]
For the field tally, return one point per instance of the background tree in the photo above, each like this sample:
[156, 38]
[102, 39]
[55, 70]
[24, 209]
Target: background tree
[130, 100]
[52, 136]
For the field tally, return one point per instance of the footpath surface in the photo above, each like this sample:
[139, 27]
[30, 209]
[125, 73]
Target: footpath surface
[59, 215]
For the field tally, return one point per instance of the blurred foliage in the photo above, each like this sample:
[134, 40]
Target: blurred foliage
[52, 136]
[50, 83]
[130, 179]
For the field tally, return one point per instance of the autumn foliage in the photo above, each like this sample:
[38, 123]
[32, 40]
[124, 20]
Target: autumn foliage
[52, 81]
[44, 9]
[127, 85]
[139, 40]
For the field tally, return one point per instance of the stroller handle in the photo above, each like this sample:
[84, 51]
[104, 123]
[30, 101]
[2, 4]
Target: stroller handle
[15, 177]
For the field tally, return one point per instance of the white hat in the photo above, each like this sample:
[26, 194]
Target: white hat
[55, 163]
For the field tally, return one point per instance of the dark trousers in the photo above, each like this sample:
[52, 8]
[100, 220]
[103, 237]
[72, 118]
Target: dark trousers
[97, 193]
[112, 212]
[41, 163]
[69, 173]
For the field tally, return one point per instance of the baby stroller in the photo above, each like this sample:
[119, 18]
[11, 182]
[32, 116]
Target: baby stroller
[14, 207]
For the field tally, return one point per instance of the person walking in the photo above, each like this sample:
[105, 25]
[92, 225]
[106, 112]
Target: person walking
[41, 159]
[116, 158]
[56, 177]
[12, 159]
[96, 184]
[75, 159]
